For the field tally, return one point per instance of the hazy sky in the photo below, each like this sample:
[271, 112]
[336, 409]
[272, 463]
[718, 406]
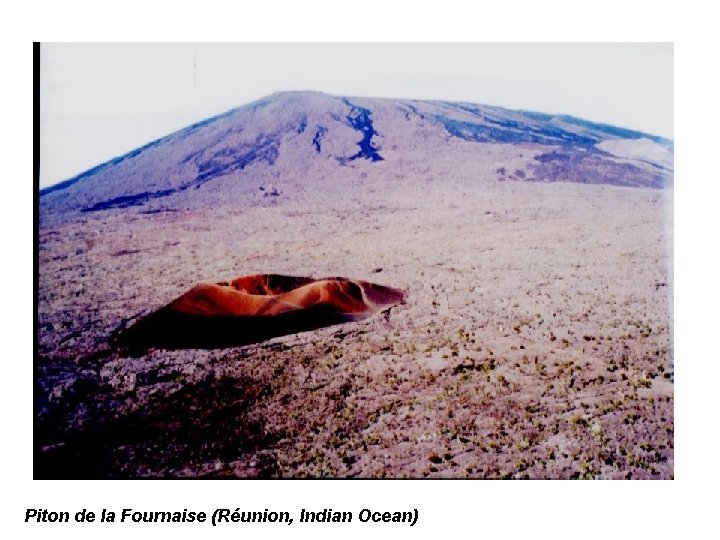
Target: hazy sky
[99, 101]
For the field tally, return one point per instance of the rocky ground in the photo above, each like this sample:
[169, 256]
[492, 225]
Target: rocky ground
[535, 340]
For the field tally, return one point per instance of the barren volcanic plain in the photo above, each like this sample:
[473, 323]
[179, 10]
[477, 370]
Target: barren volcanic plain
[534, 339]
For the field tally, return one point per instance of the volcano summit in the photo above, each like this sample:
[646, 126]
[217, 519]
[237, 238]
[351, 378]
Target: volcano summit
[292, 135]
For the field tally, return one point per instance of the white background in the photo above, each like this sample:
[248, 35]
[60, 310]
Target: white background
[682, 508]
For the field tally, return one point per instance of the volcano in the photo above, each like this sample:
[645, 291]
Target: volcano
[505, 310]
[289, 141]
[256, 308]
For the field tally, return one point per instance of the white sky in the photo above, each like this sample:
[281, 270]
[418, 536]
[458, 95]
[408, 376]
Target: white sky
[99, 101]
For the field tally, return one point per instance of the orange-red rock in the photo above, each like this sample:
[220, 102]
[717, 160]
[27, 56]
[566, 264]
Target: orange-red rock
[255, 308]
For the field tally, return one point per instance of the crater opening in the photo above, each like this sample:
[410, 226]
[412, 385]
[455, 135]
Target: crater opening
[251, 309]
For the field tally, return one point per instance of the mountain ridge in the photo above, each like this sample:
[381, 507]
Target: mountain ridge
[289, 133]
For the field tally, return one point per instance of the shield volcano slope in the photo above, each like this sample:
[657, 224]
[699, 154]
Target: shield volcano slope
[261, 151]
